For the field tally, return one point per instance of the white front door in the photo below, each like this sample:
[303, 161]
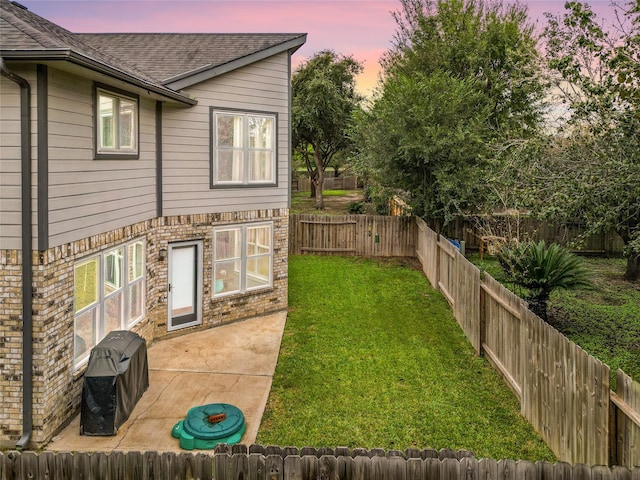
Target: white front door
[185, 284]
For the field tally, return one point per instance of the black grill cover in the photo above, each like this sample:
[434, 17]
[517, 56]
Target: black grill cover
[117, 375]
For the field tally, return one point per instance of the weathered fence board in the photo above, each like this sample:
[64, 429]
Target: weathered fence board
[626, 421]
[447, 277]
[467, 301]
[427, 251]
[502, 312]
[364, 235]
[565, 394]
[257, 466]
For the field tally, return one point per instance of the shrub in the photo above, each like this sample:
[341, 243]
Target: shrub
[542, 268]
[355, 207]
[379, 197]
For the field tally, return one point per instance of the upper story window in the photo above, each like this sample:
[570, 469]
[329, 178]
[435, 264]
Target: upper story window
[116, 124]
[244, 148]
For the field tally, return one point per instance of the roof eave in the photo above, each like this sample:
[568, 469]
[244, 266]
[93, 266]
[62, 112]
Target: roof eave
[187, 79]
[65, 54]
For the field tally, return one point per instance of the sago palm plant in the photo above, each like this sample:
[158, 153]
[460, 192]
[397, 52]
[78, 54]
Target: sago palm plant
[542, 268]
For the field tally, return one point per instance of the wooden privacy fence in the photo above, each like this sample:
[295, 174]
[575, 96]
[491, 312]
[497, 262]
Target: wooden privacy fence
[523, 227]
[275, 463]
[329, 183]
[564, 392]
[364, 235]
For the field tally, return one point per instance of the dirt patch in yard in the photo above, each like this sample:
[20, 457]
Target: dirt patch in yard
[301, 202]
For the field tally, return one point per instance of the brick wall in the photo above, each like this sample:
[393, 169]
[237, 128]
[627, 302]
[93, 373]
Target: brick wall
[57, 387]
[10, 343]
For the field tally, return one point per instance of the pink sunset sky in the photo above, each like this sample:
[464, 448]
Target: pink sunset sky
[362, 28]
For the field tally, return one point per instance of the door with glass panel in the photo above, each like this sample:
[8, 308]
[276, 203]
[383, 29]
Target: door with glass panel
[185, 284]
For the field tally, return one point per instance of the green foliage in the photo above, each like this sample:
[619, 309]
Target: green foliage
[541, 269]
[590, 168]
[323, 102]
[372, 357]
[355, 208]
[379, 197]
[461, 75]
[604, 319]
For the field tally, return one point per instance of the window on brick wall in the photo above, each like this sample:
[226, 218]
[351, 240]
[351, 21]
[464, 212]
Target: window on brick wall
[242, 258]
[109, 290]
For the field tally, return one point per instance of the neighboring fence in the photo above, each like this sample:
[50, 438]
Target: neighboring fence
[365, 235]
[534, 229]
[564, 392]
[274, 463]
[330, 183]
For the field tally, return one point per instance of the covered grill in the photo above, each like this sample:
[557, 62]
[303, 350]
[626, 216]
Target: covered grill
[117, 375]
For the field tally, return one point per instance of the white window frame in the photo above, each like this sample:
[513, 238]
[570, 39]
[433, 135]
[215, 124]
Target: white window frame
[245, 149]
[117, 151]
[243, 258]
[102, 296]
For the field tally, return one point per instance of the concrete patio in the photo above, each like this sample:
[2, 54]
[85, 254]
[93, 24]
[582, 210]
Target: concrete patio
[231, 363]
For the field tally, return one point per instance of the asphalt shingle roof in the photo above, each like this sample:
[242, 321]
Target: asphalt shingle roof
[152, 58]
[167, 55]
[22, 30]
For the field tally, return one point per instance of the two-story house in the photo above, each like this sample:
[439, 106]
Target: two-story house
[144, 186]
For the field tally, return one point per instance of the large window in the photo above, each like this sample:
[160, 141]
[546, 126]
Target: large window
[109, 294]
[116, 124]
[244, 148]
[242, 258]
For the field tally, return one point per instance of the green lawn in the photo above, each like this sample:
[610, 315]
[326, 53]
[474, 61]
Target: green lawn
[372, 357]
[603, 319]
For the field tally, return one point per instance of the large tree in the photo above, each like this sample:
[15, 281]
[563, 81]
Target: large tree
[323, 103]
[462, 75]
[589, 170]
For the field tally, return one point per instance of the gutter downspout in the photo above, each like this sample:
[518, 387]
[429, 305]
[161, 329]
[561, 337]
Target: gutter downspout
[27, 259]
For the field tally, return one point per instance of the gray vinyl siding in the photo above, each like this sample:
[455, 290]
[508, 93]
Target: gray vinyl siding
[262, 86]
[88, 196]
[10, 158]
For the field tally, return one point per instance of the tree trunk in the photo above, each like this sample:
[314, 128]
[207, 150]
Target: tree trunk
[538, 305]
[313, 175]
[319, 180]
[632, 273]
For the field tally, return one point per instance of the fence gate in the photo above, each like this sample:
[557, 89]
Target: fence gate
[326, 235]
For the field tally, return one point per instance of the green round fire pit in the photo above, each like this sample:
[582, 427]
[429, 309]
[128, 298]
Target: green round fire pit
[208, 425]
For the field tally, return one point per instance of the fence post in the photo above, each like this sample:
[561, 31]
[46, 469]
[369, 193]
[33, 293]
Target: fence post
[613, 434]
[437, 282]
[483, 318]
[525, 353]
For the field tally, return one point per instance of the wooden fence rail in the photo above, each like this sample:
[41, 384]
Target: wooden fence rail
[625, 417]
[564, 392]
[289, 464]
